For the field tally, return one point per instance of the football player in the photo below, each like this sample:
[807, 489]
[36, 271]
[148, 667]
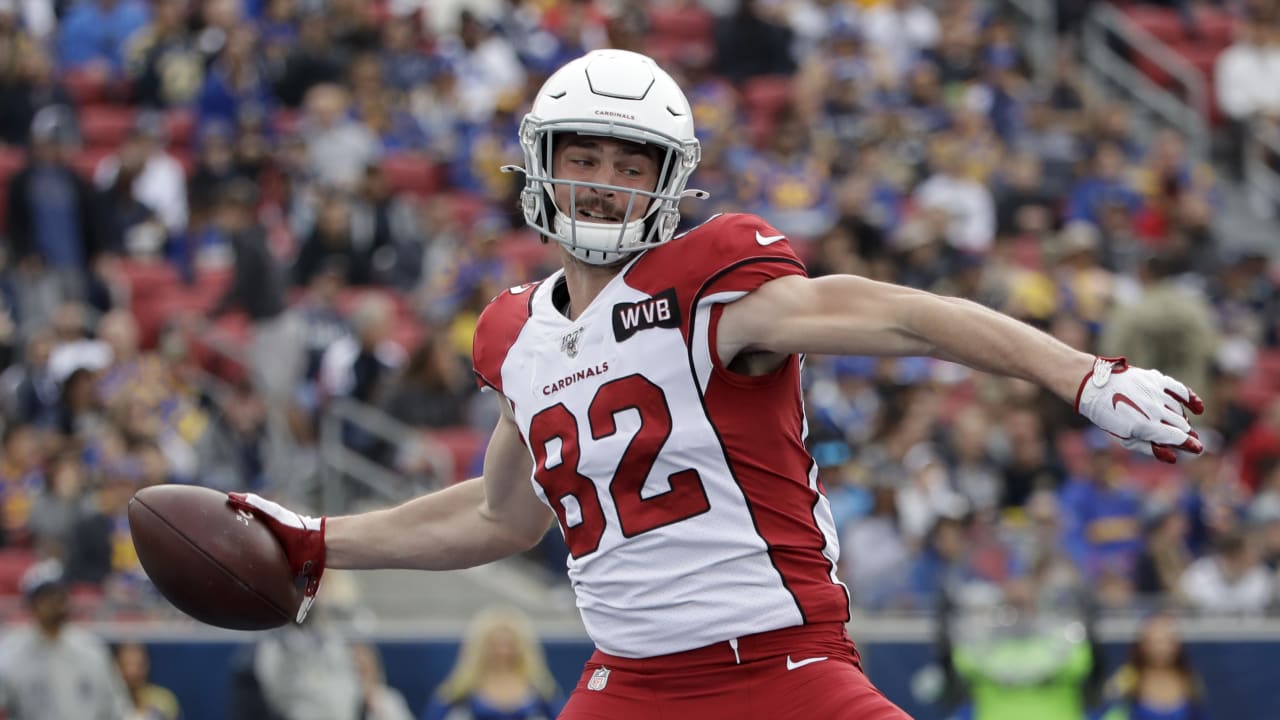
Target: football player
[651, 404]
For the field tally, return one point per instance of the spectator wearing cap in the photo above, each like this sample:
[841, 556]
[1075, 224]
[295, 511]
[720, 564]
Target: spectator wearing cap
[95, 32]
[52, 670]
[1086, 288]
[55, 221]
[153, 177]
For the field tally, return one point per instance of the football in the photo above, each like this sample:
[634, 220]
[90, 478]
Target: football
[219, 565]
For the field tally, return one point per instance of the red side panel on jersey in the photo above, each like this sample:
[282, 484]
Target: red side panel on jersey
[496, 331]
[764, 448]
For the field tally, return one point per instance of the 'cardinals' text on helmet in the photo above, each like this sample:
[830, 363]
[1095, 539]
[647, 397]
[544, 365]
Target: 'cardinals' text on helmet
[615, 94]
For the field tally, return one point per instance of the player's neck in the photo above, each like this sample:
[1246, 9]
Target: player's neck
[583, 283]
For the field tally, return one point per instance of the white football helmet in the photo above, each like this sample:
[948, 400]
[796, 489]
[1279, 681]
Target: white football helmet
[617, 94]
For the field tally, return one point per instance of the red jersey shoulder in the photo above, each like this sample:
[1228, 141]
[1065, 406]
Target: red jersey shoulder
[497, 328]
[715, 249]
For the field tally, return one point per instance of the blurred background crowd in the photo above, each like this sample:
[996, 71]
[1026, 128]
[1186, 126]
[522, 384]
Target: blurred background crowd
[221, 218]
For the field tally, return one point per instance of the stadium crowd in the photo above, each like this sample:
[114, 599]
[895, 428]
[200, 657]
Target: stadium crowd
[318, 184]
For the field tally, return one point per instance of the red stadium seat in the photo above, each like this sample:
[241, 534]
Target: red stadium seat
[1215, 27]
[105, 126]
[11, 161]
[285, 121]
[13, 563]
[413, 173]
[181, 127]
[468, 209]
[464, 446]
[186, 158]
[692, 25]
[87, 85]
[767, 94]
[1162, 22]
[525, 253]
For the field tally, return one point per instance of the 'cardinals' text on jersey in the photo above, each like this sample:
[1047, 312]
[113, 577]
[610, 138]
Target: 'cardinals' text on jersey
[686, 496]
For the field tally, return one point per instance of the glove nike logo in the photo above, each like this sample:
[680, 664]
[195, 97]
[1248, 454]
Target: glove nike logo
[1118, 398]
[769, 240]
[797, 665]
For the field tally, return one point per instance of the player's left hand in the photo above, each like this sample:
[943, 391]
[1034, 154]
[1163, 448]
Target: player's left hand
[1146, 409]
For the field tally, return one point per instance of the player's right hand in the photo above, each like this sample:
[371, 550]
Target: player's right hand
[301, 536]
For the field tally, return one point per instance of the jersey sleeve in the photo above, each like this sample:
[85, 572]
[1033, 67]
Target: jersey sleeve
[496, 331]
[727, 256]
[742, 253]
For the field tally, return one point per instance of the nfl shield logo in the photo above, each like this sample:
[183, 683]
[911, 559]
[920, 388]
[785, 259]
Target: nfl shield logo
[569, 343]
[599, 679]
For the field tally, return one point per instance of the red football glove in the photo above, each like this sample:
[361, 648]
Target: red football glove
[301, 536]
[1146, 409]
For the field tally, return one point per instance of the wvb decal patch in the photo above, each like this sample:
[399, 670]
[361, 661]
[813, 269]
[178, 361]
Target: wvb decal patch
[661, 310]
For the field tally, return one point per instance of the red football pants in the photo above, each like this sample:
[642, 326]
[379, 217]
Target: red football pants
[774, 676]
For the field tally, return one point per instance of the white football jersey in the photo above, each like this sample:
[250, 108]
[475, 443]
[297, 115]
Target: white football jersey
[689, 503]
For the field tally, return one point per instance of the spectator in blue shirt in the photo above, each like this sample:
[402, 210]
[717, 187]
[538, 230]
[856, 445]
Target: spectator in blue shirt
[95, 31]
[1103, 526]
[1106, 185]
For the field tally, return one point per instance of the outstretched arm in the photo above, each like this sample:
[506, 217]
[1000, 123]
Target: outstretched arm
[472, 523]
[849, 315]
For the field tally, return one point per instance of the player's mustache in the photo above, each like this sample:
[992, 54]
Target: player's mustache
[599, 205]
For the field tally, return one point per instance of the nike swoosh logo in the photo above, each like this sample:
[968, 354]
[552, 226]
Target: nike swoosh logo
[1118, 398]
[765, 241]
[520, 288]
[797, 665]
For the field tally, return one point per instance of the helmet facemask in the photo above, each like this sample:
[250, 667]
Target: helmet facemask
[604, 243]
